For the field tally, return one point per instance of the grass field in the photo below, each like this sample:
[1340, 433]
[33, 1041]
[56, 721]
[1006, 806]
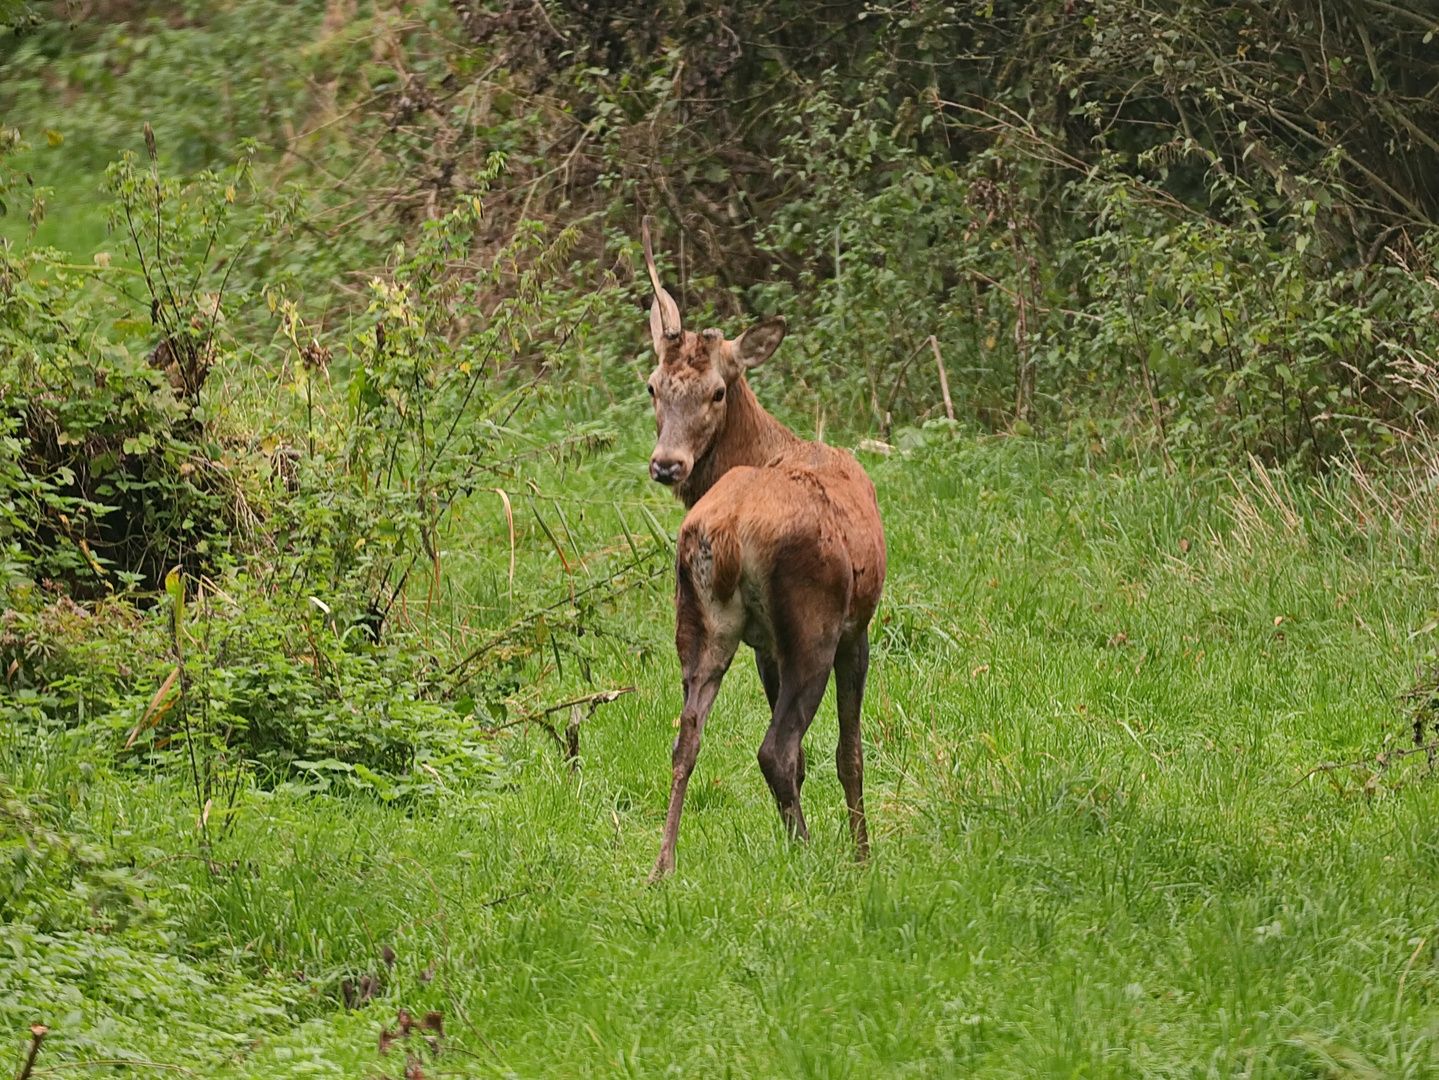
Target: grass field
[1096, 700]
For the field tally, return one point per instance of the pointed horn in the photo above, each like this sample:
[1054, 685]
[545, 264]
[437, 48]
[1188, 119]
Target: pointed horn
[669, 310]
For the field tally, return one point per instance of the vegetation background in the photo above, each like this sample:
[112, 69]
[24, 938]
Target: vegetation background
[337, 676]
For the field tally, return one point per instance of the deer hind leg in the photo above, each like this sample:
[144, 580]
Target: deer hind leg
[851, 666]
[707, 633]
[806, 606]
[781, 753]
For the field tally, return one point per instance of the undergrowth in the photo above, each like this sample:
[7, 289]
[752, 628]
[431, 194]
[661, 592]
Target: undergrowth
[1098, 703]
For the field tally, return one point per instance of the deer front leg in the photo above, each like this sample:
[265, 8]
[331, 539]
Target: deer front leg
[781, 755]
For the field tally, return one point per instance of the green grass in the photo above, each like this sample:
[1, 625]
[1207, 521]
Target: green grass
[1097, 852]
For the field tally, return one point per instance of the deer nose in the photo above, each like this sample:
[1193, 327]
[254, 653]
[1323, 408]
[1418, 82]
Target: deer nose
[665, 471]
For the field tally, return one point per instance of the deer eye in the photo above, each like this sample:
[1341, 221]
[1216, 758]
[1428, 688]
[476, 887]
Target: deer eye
[719, 394]
[650, 388]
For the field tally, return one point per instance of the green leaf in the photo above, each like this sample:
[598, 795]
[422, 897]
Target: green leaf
[175, 587]
[661, 537]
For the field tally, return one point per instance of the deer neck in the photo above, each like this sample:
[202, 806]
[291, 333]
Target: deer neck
[750, 436]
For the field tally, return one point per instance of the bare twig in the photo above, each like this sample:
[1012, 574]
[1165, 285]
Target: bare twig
[893, 390]
[943, 377]
[569, 743]
[603, 697]
[1032, 306]
[1382, 760]
[529, 617]
[37, 1036]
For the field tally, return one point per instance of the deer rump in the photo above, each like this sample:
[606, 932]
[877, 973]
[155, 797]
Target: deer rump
[781, 557]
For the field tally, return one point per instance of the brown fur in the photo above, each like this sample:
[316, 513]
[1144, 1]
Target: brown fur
[782, 549]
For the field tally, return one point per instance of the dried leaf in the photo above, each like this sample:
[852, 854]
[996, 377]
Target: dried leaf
[153, 711]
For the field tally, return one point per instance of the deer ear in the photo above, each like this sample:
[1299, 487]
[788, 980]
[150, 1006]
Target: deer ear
[755, 345]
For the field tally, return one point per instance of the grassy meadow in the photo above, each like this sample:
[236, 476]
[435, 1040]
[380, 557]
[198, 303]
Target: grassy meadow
[1097, 696]
[320, 324]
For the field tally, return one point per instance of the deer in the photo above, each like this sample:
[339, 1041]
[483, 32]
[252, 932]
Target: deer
[781, 548]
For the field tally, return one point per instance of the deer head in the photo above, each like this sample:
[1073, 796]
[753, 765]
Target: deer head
[691, 386]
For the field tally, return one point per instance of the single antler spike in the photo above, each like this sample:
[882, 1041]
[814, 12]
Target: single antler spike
[668, 310]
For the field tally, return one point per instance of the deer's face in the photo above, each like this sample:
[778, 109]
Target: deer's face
[689, 389]
[691, 386]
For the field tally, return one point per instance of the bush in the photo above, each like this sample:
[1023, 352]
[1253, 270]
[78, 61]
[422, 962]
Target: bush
[208, 589]
[1112, 228]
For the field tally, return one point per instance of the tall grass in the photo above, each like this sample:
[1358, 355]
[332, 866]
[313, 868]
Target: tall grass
[1096, 702]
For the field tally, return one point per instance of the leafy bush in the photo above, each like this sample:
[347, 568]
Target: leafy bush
[227, 557]
[106, 447]
[109, 473]
[1069, 223]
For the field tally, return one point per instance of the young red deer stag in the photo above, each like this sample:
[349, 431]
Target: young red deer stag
[782, 549]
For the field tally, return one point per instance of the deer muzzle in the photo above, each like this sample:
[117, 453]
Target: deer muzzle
[667, 470]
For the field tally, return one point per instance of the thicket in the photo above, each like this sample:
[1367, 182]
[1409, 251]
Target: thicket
[1212, 221]
[1205, 224]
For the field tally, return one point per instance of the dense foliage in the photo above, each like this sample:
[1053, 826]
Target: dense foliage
[1207, 222]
